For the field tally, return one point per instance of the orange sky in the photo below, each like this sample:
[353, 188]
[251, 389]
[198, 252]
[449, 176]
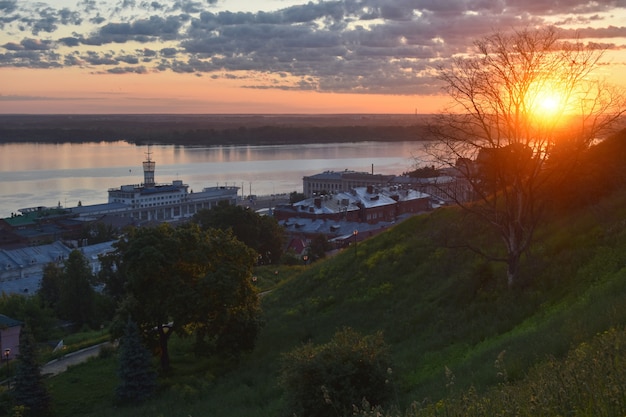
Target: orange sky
[78, 91]
[293, 56]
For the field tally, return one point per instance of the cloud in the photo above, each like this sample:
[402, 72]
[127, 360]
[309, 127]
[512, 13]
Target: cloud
[369, 46]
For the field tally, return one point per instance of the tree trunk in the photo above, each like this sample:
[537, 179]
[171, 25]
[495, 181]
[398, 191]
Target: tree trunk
[512, 272]
[164, 335]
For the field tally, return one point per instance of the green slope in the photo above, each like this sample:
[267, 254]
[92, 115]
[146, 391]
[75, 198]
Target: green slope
[443, 311]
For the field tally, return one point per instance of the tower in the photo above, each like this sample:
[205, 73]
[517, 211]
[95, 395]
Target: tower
[148, 170]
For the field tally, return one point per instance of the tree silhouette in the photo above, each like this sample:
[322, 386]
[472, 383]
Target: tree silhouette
[524, 108]
[261, 233]
[76, 296]
[136, 372]
[189, 281]
[29, 388]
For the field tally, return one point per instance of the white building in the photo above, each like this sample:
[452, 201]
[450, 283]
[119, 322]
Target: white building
[158, 202]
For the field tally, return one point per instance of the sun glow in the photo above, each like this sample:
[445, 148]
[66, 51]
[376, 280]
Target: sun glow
[546, 103]
[549, 104]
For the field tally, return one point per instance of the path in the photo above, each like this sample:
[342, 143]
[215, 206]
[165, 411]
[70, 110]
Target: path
[57, 366]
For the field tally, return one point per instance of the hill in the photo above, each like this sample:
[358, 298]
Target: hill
[452, 324]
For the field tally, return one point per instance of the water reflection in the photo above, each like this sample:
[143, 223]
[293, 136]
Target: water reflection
[49, 174]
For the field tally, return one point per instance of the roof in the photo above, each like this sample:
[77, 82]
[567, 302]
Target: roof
[6, 321]
[328, 175]
[338, 229]
[213, 192]
[43, 254]
[100, 208]
[34, 215]
[359, 197]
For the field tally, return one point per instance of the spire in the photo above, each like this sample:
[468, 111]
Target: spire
[148, 170]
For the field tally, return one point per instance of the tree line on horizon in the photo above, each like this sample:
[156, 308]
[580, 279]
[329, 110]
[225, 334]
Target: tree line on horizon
[172, 133]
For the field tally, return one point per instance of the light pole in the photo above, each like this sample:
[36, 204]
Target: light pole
[7, 352]
[355, 233]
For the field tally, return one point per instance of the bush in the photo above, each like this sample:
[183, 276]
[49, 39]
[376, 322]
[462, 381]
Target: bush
[331, 379]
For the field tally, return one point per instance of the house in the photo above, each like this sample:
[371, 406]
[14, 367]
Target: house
[362, 204]
[9, 337]
[338, 181]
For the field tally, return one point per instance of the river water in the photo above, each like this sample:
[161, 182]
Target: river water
[35, 174]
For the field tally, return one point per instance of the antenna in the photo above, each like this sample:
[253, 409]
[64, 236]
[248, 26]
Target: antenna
[148, 154]
[148, 170]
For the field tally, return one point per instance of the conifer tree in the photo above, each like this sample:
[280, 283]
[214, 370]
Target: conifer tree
[138, 377]
[30, 390]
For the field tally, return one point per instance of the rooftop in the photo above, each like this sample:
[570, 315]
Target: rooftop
[8, 322]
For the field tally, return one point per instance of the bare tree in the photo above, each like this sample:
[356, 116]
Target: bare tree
[523, 108]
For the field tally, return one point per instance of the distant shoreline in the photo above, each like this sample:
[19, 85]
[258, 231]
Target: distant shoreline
[213, 130]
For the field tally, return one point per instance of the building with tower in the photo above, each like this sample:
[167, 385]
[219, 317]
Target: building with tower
[161, 202]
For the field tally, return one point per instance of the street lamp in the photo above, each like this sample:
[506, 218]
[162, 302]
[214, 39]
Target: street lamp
[7, 352]
[354, 233]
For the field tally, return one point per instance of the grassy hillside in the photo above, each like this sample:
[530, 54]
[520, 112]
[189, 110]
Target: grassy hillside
[447, 315]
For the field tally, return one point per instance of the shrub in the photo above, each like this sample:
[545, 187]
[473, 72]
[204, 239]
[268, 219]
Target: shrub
[330, 379]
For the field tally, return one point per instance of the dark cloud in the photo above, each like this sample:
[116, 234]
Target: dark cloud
[374, 46]
[8, 6]
[70, 41]
[168, 52]
[127, 70]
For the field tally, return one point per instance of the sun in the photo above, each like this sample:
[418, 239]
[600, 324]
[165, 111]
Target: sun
[546, 104]
[549, 104]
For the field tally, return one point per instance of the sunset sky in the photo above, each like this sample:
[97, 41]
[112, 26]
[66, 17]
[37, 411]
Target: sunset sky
[263, 56]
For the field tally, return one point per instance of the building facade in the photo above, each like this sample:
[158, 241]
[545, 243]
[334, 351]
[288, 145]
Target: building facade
[9, 337]
[329, 182]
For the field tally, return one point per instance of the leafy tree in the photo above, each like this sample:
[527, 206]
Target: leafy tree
[261, 233]
[318, 247]
[29, 388]
[295, 196]
[50, 286]
[76, 299]
[138, 378]
[329, 379]
[111, 276]
[40, 320]
[423, 172]
[524, 108]
[98, 232]
[190, 281]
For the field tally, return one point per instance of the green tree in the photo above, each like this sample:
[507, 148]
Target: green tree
[50, 286]
[29, 388]
[261, 233]
[76, 298]
[111, 276]
[136, 372]
[524, 108]
[295, 196]
[318, 247]
[40, 320]
[98, 232]
[325, 380]
[189, 281]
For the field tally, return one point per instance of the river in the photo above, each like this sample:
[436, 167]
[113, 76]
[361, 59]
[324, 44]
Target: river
[36, 174]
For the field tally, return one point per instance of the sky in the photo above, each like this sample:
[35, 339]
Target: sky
[263, 56]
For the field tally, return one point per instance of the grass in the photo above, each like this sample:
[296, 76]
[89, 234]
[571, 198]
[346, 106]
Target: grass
[445, 313]
[76, 341]
[84, 388]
